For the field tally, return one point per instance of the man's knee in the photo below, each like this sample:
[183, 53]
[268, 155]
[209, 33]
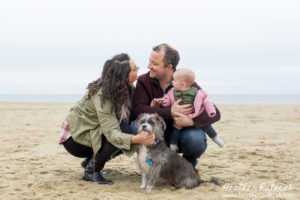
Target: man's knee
[126, 128]
[134, 128]
[193, 142]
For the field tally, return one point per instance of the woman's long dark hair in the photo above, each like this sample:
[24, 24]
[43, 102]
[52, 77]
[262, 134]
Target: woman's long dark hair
[113, 82]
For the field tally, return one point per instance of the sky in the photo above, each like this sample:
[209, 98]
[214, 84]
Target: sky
[234, 46]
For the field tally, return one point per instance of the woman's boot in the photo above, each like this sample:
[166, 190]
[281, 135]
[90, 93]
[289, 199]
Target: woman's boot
[85, 162]
[106, 152]
[94, 176]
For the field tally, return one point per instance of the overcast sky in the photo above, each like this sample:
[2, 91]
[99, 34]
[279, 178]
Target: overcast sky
[234, 46]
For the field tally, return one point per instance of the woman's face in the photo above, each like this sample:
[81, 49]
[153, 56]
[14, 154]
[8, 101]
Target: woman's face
[133, 72]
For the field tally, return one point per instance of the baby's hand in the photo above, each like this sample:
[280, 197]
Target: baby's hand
[155, 103]
[164, 101]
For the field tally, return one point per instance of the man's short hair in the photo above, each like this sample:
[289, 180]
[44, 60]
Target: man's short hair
[171, 54]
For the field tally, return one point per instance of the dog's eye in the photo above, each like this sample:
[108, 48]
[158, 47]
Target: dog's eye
[151, 122]
[143, 121]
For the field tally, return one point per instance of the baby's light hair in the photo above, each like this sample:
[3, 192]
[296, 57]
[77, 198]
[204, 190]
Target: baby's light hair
[187, 75]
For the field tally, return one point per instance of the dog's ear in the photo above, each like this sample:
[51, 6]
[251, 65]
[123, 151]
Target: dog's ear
[162, 121]
[139, 117]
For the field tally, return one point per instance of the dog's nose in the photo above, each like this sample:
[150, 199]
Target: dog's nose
[144, 126]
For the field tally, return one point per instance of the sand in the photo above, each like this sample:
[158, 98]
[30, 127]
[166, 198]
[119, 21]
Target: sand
[261, 158]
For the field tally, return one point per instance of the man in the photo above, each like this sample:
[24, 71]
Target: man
[157, 82]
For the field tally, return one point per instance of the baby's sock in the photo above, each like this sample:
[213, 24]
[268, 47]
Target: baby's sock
[218, 141]
[173, 147]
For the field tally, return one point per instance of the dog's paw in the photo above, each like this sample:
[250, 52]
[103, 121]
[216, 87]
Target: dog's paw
[148, 190]
[142, 186]
[173, 188]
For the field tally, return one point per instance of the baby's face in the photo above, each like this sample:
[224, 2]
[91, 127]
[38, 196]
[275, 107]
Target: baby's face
[177, 82]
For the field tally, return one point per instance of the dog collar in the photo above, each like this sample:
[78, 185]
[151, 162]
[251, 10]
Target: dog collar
[152, 145]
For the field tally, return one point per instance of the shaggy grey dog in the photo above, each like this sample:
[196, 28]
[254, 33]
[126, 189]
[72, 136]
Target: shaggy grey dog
[159, 160]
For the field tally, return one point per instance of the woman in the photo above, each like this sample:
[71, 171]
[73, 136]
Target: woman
[97, 127]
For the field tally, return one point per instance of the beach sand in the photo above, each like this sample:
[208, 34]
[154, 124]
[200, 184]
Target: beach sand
[260, 160]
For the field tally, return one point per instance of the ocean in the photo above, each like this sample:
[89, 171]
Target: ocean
[217, 99]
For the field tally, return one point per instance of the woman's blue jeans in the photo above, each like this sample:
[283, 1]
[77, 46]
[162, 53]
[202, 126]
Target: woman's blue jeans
[192, 142]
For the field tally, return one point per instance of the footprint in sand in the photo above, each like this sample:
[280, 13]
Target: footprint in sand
[269, 156]
[4, 186]
[242, 157]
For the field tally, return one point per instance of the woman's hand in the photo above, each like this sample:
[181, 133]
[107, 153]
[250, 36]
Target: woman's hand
[143, 139]
[182, 120]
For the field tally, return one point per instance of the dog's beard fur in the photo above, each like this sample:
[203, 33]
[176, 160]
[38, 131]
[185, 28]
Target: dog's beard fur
[151, 123]
[165, 162]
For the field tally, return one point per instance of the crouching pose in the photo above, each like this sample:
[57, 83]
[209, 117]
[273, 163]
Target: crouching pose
[192, 141]
[97, 126]
[183, 89]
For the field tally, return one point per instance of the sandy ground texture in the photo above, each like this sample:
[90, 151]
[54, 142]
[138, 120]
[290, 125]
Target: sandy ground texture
[261, 159]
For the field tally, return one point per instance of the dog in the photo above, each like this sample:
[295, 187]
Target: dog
[158, 160]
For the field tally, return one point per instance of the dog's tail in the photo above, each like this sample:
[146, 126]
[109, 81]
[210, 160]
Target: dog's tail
[213, 180]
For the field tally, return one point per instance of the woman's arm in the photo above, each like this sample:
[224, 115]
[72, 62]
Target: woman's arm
[111, 129]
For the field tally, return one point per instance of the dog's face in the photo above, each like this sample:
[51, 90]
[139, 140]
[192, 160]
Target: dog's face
[151, 123]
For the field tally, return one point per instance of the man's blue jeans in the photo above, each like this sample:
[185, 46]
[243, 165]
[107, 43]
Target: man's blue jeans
[192, 142]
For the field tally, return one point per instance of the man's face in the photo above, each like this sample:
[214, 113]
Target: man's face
[156, 65]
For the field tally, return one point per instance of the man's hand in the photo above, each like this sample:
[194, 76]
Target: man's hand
[182, 120]
[184, 109]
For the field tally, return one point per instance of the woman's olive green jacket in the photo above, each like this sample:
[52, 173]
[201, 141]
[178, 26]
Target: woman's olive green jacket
[88, 121]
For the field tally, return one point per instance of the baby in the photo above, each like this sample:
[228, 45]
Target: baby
[183, 89]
